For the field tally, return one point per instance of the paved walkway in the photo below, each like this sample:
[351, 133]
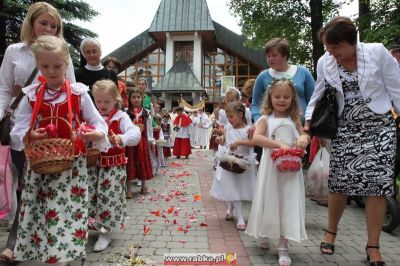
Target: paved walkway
[179, 216]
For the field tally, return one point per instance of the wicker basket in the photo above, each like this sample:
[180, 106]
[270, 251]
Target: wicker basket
[231, 166]
[92, 156]
[50, 156]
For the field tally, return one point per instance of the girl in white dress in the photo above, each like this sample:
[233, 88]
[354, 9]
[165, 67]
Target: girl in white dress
[278, 204]
[229, 186]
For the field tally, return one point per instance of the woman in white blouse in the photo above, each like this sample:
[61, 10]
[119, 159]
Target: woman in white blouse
[18, 64]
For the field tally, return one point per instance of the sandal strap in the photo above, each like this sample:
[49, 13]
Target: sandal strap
[329, 232]
[375, 247]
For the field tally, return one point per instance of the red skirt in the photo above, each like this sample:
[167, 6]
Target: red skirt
[182, 147]
[139, 164]
[167, 152]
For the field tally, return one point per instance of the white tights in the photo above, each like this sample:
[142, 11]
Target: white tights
[237, 206]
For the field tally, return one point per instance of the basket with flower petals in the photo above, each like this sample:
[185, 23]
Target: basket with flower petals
[288, 159]
[51, 155]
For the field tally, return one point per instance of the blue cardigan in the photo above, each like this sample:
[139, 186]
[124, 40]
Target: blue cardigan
[304, 84]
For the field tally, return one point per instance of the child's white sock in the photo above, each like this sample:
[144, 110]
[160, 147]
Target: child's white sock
[229, 211]
[238, 209]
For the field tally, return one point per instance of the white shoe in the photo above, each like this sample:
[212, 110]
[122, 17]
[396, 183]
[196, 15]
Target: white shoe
[139, 183]
[284, 259]
[102, 243]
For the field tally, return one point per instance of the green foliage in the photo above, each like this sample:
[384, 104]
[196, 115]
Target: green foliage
[384, 16]
[262, 20]
[14, 12]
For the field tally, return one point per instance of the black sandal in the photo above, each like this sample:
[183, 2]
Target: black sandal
[374, 263]
[328, 246]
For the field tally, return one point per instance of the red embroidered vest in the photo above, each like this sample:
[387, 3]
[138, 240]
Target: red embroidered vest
[61, 110]
[115, 155]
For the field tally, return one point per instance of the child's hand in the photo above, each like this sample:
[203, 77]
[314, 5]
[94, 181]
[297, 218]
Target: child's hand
[283, 146]
[235, 145]
[39, 133]
[141, 127]
[302, 141]
[115, 139]
[219, 140]
[153, 147]
[91, 136]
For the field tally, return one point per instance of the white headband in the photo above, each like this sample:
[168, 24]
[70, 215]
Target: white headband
[90, 41]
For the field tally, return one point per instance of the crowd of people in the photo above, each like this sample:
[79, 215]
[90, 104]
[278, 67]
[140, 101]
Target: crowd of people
[121, 137]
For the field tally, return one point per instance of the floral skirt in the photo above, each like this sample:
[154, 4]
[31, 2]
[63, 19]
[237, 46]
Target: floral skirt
[107, 198]
[53, 218]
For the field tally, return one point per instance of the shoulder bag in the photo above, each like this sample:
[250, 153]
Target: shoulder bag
[324, 120]
[5, 123]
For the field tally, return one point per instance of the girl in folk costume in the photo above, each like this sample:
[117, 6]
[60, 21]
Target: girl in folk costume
[53, 221]
[139, 164]
[158, 135]
[183, 126]
[229, 186]
[166, 127]
[278, 204]
[110, 184]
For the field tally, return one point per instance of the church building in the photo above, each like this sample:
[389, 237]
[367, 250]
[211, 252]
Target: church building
[184, 53]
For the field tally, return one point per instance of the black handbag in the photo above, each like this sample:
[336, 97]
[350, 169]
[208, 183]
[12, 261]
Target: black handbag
[5, 123]
[324, 120]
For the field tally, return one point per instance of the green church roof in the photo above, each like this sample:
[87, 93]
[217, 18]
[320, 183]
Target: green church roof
[182, 15]
[134, 49]
[180, 78]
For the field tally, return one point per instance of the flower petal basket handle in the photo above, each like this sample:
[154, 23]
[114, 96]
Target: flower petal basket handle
[52, 155]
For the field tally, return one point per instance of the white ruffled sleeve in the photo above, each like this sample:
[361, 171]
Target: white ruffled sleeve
[149, 128]
[23, 116]
[131, 133]
[93, 117]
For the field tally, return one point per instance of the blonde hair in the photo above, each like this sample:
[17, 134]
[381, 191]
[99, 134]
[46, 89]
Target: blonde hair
[51, 44]
[294, 108]
[234, 92]
[35, 10]
[109, 87]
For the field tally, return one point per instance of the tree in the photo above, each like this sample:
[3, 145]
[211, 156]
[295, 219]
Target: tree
[296, 20]
[12, 13]
[379, 21]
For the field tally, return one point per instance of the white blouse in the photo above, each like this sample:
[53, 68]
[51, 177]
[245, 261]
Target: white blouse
[89, 113]
[130, 132]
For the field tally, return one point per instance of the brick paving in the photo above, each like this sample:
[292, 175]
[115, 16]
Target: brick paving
[190, 224]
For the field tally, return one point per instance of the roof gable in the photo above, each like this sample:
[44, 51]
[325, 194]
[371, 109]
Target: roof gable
[235, 43]
[180, 78]
[182, 15]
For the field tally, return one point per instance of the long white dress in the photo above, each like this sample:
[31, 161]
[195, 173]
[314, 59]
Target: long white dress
[278, 205]
[201, 124]
[228, 186]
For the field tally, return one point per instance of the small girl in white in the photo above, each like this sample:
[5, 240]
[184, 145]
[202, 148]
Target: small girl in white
[229, 186]
[109, 186]
[278, 204]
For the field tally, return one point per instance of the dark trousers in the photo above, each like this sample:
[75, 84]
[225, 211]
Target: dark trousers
[18, 160]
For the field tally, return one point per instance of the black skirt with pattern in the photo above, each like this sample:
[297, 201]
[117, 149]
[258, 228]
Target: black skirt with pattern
[363, 151]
